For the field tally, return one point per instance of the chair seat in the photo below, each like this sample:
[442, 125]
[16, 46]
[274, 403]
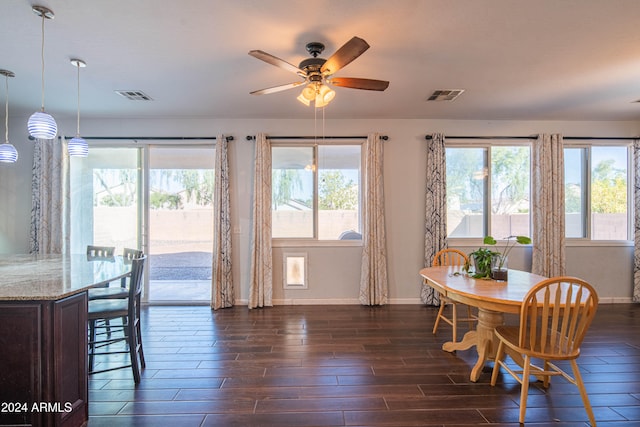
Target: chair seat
[105, 293]
[107, 308]
[511, 337]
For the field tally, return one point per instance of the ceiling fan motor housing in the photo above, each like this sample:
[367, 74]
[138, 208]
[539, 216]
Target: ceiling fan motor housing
[311, 67]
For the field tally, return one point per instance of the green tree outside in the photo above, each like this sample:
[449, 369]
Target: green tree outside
[336, 192]
[608, 188]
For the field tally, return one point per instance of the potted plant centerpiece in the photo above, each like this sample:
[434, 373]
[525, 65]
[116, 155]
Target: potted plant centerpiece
[490, 264]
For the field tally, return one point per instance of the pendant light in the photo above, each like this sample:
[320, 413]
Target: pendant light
[8, 153]
[42, 125]
[78, 147]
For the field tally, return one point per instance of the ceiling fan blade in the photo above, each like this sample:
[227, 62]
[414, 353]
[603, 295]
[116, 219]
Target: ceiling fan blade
[273, 60]
[355, 83]
[275, 89]
[343, 56]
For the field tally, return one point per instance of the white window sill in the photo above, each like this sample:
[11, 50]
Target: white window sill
[311, 243]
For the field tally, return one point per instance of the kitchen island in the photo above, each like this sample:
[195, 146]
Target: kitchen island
[43, 336]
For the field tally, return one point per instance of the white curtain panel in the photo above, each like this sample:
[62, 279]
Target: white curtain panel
[261, 281]
[636, 251]
[222, 292]
[49, 198]
[435, 220]
[547, 201]
[374, 285]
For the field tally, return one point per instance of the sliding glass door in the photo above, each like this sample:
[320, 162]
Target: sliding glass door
[156, 198]
[180, 223]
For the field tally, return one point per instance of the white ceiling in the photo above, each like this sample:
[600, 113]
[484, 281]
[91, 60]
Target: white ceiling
[515, 59]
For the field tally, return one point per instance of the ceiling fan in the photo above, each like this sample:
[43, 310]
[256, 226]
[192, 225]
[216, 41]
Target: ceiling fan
[316, 71]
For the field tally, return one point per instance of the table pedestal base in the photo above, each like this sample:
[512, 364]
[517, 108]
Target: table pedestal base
[483, 338]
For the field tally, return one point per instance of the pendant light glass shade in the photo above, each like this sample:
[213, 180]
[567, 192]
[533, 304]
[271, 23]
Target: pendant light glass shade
[8, 153]
[42, 125]
[78, 147]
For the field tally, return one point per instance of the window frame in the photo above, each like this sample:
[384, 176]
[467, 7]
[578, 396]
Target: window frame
[292, 242]
[487, 215]
[586, 174]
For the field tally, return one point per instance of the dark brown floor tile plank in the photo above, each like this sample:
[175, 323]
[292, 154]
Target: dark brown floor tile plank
[164, 383]
[131, 395]
[106, 408]
[303, 419]
[210, 372]
[315, 380]
[257, 393]
[321, 370]
[450, 402]
[435, 378]
[321, 404]
[218, 406]
[413, 418]
[146, 421]
[365, 390]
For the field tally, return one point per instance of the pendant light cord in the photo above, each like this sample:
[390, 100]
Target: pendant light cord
[42, 60]
[6, 111]
[78, 123]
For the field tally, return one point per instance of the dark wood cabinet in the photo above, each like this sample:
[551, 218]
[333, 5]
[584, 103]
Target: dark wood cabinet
[43, 362]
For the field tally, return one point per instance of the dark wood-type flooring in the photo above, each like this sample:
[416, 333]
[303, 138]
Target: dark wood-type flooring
[349, 365]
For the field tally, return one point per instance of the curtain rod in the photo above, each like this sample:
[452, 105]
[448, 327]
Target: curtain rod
[149, 138]
[427, 137]
[253, 137]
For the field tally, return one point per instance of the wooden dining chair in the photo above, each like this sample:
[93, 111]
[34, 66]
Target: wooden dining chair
[100, 311]
[554, 318]
[456, 258]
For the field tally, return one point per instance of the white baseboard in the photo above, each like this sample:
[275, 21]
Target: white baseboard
[323, 301]
[393, 301]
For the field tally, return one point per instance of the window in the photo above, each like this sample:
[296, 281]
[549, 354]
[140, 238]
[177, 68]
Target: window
[316, 191]
[597, 192]
[488, 190]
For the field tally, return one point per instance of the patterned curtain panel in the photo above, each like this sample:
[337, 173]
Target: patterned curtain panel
[435, 224]
[261, 283]
[374, 285]
[222, 292]
[547, 201]
[636, 251]
[49, 199]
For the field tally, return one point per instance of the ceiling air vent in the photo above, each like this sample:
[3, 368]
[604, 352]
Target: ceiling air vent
[445, 95]
[134, 95]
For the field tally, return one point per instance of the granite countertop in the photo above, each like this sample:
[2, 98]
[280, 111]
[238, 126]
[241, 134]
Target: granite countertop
[53, 277]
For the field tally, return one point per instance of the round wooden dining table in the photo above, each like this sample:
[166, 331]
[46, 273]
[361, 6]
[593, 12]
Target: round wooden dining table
[492, 298]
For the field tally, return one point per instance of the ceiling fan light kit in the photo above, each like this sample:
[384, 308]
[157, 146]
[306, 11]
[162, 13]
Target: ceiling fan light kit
[317, 72]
